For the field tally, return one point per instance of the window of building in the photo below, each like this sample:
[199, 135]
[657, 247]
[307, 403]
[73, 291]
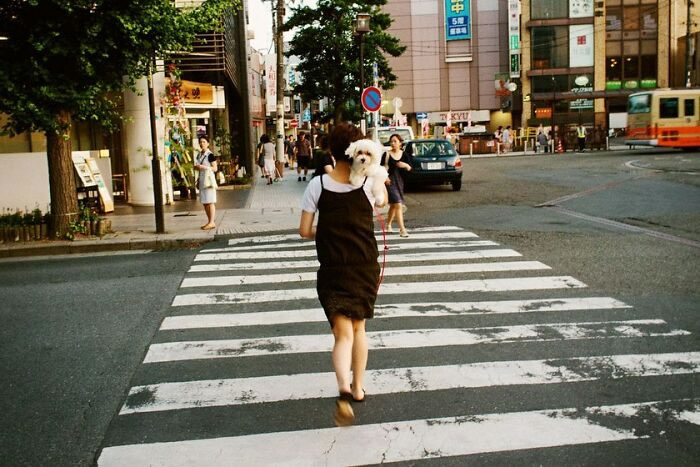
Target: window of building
[631, 45]
[556, 83]
[613, 68]
[550, 47]
[668, 107]
[547, 9]
[689, 107]
[649, 66]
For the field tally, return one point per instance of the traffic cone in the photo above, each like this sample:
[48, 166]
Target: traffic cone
[560, 148]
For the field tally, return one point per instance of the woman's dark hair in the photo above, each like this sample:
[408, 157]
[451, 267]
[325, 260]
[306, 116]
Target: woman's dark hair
[205, 138]
[340, 138]
[264, 139]
[397, 136]
[323, 142]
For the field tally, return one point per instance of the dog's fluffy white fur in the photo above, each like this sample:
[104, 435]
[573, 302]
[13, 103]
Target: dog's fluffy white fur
[364, 165]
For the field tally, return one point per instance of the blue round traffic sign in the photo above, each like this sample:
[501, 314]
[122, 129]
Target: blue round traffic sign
[371, 99]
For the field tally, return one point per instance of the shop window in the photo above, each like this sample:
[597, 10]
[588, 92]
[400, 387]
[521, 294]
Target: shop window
[613, 49]
[649, 66]
[689, 107]
[613, 69]
[557, 83]
[631, 67]
[630, 18]
[649, 47]
[613, 23]
[649, 21]
[550, 47]
[668, 107]
[547, 9]
[630, 48]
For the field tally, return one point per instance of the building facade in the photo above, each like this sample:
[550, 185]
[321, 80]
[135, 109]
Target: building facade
[455, 49]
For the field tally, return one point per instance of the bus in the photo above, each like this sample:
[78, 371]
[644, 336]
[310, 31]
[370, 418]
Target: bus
[664, 117]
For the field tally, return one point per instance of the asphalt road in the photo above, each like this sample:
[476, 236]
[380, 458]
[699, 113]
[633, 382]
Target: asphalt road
[73, 330]
[627, 225]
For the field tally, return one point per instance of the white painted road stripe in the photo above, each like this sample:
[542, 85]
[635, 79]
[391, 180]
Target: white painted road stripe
[224, 392]
[312, 250]
[388, 272]
[396, 441]
[295, 236]
[389, 237]
[423, 256]
[399, 310]
[401, 288]
[407, 339]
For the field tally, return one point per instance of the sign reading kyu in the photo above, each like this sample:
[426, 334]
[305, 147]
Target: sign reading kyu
[197, 93]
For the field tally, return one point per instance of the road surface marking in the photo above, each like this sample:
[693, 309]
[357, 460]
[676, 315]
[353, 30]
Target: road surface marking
[409, 339]
[262, 238]
[399, 310]
[402, 288]
[402, 441]
[265, 389]
[390, 271]
[311, 248]
[390, 258]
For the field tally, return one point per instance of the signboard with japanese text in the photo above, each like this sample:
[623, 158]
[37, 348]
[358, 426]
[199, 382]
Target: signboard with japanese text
[580, 8]
[270, 84]
[458, 20]
[581, 45]
[514, 37]
[197, 93]
[459, 116]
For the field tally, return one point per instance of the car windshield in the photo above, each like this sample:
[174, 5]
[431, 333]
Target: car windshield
[385, 134]
[432, 148]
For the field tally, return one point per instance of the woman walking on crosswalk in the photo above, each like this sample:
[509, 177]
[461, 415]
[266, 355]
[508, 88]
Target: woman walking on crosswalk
[348, 278]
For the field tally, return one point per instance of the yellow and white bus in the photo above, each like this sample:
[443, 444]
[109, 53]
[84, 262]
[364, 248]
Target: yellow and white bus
[664, 117]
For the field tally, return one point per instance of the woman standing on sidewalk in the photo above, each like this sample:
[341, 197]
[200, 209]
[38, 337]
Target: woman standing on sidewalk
[268, 153]
[206, 162]
[348, 279]
[397, 163]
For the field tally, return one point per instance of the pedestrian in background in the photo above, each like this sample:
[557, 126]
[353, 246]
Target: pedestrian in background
[542, 139]
[498, 137]
[348, 279]
[324, 160]
[279, 164]
[303, 150]
[268, 153]
[507, 139]
[289, 149]
[206, 182]
[396, 162]
[581, 137]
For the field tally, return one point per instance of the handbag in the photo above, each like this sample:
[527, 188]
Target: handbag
[209, 179]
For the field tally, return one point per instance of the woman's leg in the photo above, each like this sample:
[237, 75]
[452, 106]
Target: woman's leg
[391, 215]
[399, 217]
[359, 358]
[342, 355]
[212, 213]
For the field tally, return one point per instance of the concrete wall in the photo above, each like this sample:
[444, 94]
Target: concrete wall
[24, 180]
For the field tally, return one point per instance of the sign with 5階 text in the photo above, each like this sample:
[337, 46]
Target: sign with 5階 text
[458, 20]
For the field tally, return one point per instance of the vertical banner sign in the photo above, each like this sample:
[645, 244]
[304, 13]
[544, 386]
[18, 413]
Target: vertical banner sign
[458, 20]
[580, 8]
[270, 84]
[514, 37]
[581, 45]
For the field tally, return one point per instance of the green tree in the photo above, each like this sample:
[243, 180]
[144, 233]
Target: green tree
[70, 59]
[329, 51]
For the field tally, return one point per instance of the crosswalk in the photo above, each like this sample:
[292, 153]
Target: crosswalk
[239, 371]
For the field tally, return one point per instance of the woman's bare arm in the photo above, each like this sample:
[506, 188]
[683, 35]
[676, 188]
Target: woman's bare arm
[306, 225]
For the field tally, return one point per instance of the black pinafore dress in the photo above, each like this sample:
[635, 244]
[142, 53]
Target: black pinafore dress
[347, 250]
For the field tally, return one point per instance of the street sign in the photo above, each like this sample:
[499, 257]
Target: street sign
[421, 115]
[307, 115]
[294, 124]
[371, 99]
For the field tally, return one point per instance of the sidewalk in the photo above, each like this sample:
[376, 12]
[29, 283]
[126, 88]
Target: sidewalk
[261, 208]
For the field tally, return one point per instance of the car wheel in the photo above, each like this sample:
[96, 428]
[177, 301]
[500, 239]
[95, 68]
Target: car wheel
[457, 184]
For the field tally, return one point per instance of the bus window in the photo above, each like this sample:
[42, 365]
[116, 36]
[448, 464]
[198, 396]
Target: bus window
[689, 107]
[639, 104]
[668, 107]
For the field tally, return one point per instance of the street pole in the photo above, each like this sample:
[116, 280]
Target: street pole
[279, 41]
[687, 44]
[363, 122]
[155, 163]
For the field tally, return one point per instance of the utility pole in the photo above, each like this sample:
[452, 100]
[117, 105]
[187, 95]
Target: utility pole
[279, 41]
[687, 44]
[155, 162]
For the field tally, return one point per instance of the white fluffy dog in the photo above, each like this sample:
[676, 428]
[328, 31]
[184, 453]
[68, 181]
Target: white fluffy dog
[366, 158]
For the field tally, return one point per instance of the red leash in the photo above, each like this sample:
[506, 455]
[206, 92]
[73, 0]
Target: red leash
[381, 223]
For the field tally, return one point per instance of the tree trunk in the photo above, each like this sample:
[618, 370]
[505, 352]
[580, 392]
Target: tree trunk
[64, 197]
[338, 113]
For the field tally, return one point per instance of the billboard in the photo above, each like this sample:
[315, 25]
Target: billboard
[458, 20]
[581, 45]
[271, 84]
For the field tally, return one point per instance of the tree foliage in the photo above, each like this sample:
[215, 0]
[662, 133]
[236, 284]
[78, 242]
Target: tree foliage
[73, 55]
[329, 51]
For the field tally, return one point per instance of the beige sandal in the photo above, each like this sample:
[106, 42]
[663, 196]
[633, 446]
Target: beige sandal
[344, 415]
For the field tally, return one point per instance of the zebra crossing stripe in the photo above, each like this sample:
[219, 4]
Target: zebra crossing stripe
[411, 338]
[422, 256]
[225, 392]
[403, 440]
[399, 310]
[388, 272]
[312, 250]
[402, 288]
[295, 235]
[306, 243]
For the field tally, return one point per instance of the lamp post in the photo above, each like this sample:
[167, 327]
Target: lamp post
[362, 28]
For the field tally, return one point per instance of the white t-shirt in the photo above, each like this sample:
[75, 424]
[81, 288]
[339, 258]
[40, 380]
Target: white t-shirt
[309, 201]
